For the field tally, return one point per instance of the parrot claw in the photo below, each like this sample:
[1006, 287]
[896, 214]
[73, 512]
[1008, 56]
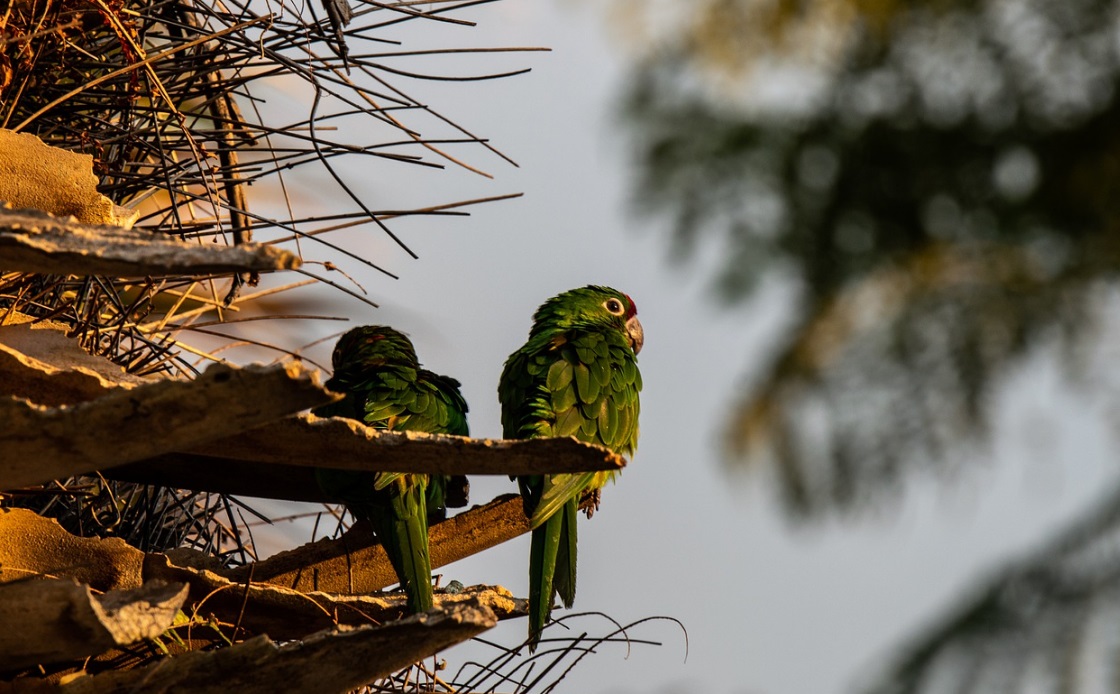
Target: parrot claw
[589, 501]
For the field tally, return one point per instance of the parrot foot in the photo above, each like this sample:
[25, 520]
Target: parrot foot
[589, 501]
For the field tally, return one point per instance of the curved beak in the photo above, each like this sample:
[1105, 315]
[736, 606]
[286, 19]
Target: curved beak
[635, 333]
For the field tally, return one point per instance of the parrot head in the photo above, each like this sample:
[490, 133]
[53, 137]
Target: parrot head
[593, 307]
[373, 344]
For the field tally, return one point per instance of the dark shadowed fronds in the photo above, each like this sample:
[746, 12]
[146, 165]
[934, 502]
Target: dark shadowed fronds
[185, 104]
[147, 517]
[565, 643]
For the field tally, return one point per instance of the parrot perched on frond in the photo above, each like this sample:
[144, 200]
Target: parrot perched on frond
[577, 375]
[385, 388]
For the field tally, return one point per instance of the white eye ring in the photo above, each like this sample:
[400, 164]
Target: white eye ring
[614, 307]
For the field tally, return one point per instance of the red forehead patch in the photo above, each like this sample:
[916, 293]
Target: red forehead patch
[633, 307]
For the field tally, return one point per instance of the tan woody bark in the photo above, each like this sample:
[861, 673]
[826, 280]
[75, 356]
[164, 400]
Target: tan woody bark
[58, 620]
[34, 241]
[44, 443]
[330, 661]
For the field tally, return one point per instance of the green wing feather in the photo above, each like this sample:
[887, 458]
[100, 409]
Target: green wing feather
[377, 370]
[565, 578]
[559, 490]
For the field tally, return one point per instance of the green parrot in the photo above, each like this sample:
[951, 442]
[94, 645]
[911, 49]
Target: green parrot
[577, 375]
[376, 368]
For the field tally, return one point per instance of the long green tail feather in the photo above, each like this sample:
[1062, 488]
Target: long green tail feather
[403, 530]
[543, 553]
[565, 574]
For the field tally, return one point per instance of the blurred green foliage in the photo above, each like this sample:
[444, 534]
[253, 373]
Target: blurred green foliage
[938, 177]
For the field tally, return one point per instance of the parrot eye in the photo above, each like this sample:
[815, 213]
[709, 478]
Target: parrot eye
[613, 306]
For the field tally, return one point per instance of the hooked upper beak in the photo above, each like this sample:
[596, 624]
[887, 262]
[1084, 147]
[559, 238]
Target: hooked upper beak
[635, 333]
